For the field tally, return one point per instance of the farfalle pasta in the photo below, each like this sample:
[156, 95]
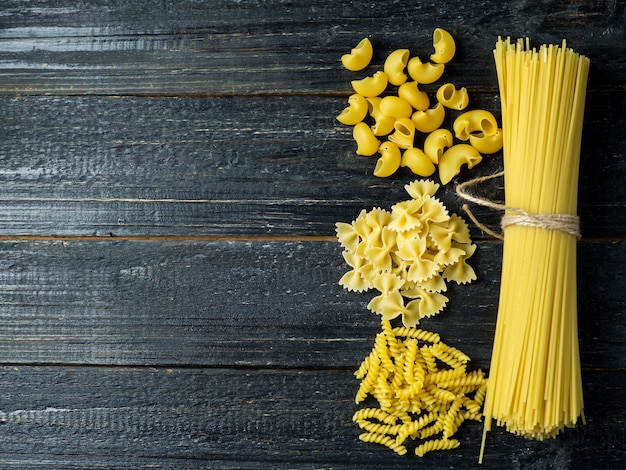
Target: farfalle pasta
[387, 112]
[407, 254]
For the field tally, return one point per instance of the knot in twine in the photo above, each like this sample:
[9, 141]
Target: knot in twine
[566, 223]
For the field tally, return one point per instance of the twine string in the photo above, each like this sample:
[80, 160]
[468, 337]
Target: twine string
[566, 223]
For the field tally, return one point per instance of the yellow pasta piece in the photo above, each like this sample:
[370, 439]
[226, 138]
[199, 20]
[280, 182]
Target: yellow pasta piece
[436, 444]
[417, 98]
[396, 107]
[416, 160]
[436, 143]
[394, 66]
[475, 121]
[367, 143]
[404, 135]
[370, 86]
[452, 97]
[359, 57]
[383, 124]
[444, 45]
[425, 73]
[430, 119]
[487, 144]
[389, 160]
[454, 158]
[384, 440]
[355, 112]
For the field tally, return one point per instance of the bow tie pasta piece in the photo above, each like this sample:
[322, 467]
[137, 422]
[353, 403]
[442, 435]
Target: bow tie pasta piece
[394, 66]
[359, 57]
[444, 45]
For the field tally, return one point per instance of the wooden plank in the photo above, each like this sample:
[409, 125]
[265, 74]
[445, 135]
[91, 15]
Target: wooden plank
[249, 303]
[99, 417]
[236, 166]
[224, 47]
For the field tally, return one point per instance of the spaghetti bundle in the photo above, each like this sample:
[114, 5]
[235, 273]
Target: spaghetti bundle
[535, 385]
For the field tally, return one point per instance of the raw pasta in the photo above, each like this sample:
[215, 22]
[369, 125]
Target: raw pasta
[359, 57]
[394, 66]
[535, 386]
[417, 397]
[388, 114]
[407, 253]
[444, 45]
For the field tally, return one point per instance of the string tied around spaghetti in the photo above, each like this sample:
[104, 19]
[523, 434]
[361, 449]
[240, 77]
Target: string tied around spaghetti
[566, 223]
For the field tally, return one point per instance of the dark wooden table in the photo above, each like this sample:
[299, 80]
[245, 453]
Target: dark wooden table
[170, 177]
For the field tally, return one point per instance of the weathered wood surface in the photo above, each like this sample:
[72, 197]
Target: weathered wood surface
[170, 177]
[235, 166]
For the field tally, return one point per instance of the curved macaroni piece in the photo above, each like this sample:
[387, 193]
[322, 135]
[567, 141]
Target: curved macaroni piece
[417, 161]
[456, 156]
[444, 45]
[404, 134]
[359, 57]
[429, 120]
[487, 144]
[355, 112]
[475, 121]
[417, 98]
[453, 98]
[424, 72]
[373, 85]
[436, 143]
[367, 143]
[396, 107]
[389, 161]
[383, 125]
[394, 66]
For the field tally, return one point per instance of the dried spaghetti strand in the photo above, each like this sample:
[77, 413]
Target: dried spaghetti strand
[535, 386]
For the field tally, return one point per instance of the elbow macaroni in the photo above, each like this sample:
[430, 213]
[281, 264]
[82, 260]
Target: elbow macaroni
[424, 72]
[456, 156]
[367, 143]
[452, 97]
[359, 57]
[417, 161]
[404, 134]
[429, 120]
[391, 124]
[436, 143]
[371, 86]
[394, 66]
[355, 112]
[417, 98]
[477, 120]
[389, 161]
[396, 107]
[444, 46]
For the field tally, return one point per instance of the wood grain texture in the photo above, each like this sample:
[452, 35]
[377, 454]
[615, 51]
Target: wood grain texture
[247, 303]
[221, 47]
[86, 417]
[237, 166]
[170, 178]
